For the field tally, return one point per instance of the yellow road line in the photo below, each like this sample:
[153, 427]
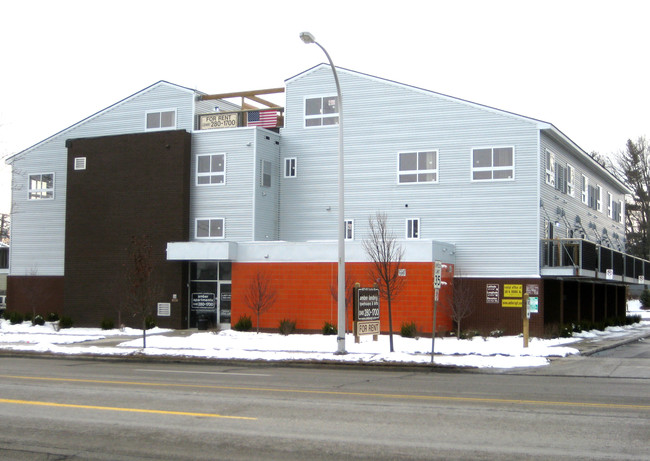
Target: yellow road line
[130, 410]
[349, 394]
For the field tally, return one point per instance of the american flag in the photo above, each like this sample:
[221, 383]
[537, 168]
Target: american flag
[265, 118]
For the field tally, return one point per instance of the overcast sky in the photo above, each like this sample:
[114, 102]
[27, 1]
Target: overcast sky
[581, 65]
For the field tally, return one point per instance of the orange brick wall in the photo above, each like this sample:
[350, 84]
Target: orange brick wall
[304, 294]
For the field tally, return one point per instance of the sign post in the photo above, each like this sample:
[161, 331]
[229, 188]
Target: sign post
[437, 283]
[525, 314]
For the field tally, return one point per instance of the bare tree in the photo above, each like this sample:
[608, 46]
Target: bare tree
[386, 255]
[462, 305]
[142, 292]
[260, 295]
[633, 165]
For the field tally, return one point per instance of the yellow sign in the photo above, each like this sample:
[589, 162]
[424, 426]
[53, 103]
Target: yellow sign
[512, 303]
[512, 291]
[218, 120]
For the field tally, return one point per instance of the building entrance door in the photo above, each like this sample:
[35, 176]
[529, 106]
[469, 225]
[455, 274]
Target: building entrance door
[210, 289]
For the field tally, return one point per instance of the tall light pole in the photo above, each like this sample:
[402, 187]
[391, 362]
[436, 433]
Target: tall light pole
[309, 38]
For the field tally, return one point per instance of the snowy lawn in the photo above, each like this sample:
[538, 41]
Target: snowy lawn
[504, 352]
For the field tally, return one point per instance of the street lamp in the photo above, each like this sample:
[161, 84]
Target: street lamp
[309, 38]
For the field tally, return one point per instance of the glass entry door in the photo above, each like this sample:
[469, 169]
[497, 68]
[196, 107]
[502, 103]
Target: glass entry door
[210, 289]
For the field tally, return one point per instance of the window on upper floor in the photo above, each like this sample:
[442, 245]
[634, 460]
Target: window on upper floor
[585, 190]
[610, 203]
[210, 228]
[550, 168]
[570, 180]
[210, 169]
[493, 164]
[160, 120]
[621, 212]
[321, 111]
[599, 198]
[41, 186]
[290, 167]
[265, 167]
[413, 228]
[349, 229]
[414, 167]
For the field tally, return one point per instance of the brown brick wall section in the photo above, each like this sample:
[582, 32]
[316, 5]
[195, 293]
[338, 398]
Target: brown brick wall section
[40, 294]
[133, 185]
[487, 317]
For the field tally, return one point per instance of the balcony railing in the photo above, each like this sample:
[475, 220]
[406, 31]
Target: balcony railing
[582, 258]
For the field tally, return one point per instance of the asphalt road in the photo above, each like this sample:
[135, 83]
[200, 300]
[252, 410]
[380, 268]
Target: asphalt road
[72, 409]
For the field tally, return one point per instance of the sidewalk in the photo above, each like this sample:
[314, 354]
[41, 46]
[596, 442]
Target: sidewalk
[231, 347]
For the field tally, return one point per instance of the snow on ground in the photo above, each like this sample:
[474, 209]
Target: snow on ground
[504, 352]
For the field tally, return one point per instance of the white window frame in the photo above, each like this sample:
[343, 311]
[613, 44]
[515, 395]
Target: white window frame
[550, 168]
[160, 127]
[621, 212]
[266, 173]
[348, 227]
[418, 171]
[320, 116]
[585, 190]
[40, 193]
[610, 200]
[210, 174]
[570, 180]
[413, 229]
[79, 163]
[210, 223]
[290, 165]
[492, 169]
[599, 198]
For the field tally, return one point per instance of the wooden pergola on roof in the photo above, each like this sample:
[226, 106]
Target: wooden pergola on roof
[252, 95]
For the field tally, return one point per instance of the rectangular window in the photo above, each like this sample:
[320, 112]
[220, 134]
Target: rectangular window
[41, 186]
[210, 169]
[413, 228]
[610, 203]
[570, 180]
[210, 228]
[418, 167]
[349, 229]
[599, 199]
[266, 173]
[550, 168]
[321, 111]
[493, 164]
[585, 190]
[621, 212]
[560, 178]
[160, 120]
[290, 167]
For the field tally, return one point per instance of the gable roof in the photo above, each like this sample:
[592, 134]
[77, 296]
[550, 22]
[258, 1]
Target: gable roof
[96, 114]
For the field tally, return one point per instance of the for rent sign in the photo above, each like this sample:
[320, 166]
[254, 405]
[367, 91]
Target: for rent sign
[366, 311]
